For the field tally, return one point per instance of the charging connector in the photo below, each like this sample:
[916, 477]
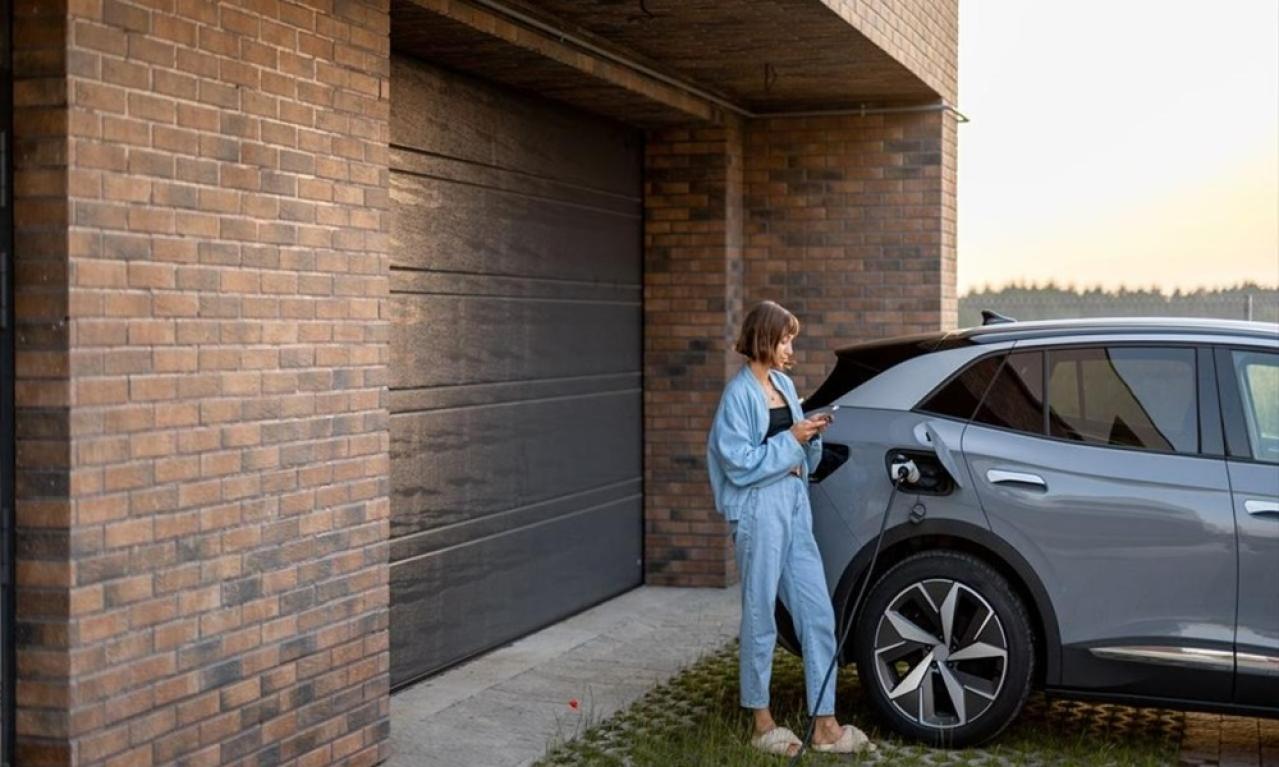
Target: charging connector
[919, 471]
[904, 470]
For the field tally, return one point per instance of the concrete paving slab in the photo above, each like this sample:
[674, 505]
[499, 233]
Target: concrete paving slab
[443, 690]
[504, 709]
[603, 691]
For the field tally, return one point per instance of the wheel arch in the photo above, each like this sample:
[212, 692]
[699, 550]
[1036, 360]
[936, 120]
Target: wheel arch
[931, 535]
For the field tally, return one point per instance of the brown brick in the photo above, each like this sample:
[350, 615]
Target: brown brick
[128, 533]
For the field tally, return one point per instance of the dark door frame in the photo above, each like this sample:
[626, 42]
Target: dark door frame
[8, 666]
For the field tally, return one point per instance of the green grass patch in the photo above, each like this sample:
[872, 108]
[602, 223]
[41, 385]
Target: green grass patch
[694, 721]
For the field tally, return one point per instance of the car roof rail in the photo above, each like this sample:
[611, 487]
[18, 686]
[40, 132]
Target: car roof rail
[990, 317]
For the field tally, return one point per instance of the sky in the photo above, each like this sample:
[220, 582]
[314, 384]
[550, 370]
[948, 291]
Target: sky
[1119, 142]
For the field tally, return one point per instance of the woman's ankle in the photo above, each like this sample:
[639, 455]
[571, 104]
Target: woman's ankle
[763, 719]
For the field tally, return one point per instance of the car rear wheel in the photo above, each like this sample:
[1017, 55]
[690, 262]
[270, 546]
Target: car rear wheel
[945, 649]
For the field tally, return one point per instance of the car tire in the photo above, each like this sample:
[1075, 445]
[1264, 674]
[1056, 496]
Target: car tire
[913, 673]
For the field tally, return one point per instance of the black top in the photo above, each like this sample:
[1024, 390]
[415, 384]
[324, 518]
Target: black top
[779, 420]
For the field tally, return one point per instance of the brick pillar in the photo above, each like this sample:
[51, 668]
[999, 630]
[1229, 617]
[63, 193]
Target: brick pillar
[850, 224]
[949, 318]
[42, 421]
[202, 352]
[692, 304]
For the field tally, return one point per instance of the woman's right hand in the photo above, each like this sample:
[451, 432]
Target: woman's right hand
[806, 430]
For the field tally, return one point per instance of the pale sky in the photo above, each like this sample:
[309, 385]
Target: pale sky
[1119, 142]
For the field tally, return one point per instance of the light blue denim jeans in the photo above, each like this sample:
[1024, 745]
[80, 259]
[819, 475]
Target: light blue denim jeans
[776, 553]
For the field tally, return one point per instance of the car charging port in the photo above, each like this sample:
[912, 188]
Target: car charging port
[918, 471]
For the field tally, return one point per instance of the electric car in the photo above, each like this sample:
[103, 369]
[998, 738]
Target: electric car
[1090, 507]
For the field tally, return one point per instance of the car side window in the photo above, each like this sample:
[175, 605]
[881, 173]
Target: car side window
[1257, 374]
[961, 395]
[1125, 396]
[1015, 399]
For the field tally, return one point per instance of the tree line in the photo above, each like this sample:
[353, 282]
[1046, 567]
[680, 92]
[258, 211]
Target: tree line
[1051, 301]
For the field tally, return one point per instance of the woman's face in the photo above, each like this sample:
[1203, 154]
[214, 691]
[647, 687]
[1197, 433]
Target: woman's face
[783, 355]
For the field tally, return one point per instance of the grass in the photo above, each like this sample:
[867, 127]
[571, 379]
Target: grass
[694, 721]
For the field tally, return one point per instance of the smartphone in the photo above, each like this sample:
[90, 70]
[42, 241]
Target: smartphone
[827, 412]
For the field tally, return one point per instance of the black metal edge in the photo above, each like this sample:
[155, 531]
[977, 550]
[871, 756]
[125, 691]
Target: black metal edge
[1211, 439]
[1232, 417]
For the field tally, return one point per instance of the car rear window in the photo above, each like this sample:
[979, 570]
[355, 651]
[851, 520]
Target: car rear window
[1015, 399]
[960, 396]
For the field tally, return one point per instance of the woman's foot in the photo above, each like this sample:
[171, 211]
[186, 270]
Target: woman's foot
[828, 730]
[772, 739]
[830, 735]
[778, 741]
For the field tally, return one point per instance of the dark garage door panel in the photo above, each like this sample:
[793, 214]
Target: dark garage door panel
[451, 603]
[516, 439]
[454, 465]
[519, 231]
[450, 340]
[438, 113]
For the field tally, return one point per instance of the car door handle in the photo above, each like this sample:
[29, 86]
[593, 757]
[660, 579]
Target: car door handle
[1258, 506]
[1002, 477]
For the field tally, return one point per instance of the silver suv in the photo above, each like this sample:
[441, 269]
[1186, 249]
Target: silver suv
[1096, 513]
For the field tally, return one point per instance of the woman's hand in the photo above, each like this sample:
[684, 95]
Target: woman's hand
[808, 428]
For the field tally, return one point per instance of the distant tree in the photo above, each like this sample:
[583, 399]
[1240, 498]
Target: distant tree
[1050, 300]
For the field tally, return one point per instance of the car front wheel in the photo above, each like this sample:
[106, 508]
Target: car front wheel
[945, 649]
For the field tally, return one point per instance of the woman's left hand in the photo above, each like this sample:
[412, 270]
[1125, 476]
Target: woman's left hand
[820, 422]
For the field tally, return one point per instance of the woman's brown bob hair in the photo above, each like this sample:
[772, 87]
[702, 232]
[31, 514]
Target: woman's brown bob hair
[765, 326]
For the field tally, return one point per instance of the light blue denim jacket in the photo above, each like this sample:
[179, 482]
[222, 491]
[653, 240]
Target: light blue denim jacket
[737, 457]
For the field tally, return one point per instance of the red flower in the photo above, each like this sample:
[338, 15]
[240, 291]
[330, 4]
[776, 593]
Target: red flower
[573, 704]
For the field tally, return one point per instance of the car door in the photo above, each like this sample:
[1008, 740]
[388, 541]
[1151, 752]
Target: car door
[1090, 461]
[1249, 383]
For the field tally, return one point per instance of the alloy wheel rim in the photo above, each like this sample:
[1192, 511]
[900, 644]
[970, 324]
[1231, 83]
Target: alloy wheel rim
[941, 653]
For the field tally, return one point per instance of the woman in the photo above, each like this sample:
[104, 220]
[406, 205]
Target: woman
[759, 454]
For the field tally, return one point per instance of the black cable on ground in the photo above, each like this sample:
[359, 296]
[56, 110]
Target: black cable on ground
[902, 473]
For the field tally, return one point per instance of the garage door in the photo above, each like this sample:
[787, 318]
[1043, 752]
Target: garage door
[515, 390]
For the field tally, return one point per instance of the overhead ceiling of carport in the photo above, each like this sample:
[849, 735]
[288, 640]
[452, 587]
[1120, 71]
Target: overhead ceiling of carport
[759, 55]
[819, 61]
[466, 45]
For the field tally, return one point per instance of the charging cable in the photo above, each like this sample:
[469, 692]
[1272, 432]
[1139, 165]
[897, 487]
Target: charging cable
[903, 470]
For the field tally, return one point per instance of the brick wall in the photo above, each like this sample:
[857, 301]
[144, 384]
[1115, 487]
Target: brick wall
[203, 445]
[922, 34]
[692, 305]
[847, 225]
